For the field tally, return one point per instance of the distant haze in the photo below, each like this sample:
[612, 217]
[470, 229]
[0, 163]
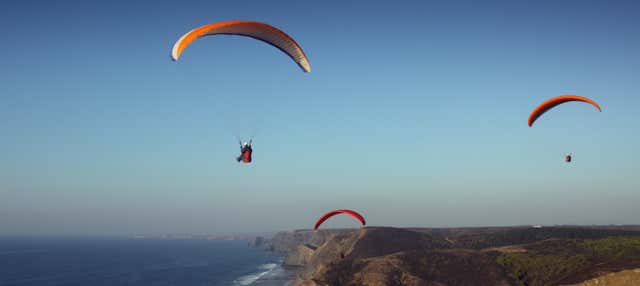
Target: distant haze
[414, 114]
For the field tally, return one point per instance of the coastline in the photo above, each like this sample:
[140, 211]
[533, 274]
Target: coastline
[490, 255]
[279, 275]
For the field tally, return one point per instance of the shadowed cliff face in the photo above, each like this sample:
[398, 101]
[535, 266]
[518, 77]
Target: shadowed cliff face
[391, 256]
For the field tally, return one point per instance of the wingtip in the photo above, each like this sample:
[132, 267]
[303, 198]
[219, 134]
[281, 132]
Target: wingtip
[305, 65]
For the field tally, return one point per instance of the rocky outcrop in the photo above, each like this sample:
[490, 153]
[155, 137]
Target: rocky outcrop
[257, 241]
[300, 256]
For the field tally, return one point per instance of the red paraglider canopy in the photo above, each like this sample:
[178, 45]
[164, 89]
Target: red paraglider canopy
[553, 102]
[335, 212]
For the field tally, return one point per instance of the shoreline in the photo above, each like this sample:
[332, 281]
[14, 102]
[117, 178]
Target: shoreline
[281, 275]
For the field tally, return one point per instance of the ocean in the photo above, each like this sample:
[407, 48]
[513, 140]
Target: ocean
[132, 262]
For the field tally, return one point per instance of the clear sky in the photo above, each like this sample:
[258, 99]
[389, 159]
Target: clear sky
[414, 114]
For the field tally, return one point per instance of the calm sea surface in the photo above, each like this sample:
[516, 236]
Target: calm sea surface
[120, 261]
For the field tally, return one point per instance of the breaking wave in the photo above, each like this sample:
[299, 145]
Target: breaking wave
[264, 270]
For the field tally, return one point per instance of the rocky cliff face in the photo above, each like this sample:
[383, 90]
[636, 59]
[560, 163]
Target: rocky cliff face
[299, 256]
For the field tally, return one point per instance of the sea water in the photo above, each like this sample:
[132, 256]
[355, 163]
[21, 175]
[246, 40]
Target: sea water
[124, 261]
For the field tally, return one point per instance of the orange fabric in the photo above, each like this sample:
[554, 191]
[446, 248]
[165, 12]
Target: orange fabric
[256, 30]
[551, 103]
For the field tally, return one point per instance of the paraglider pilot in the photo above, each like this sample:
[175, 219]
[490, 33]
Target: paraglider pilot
[245, 152]
[568, 158]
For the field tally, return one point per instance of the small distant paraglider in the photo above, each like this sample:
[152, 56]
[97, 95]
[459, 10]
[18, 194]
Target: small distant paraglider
[335, 212]
[256, 30]
[553, 102]
[245, 152]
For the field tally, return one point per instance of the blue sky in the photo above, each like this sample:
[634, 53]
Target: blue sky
[413, 114]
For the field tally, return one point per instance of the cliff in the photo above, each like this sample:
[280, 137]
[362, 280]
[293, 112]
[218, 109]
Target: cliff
[299, 256]
[393, 256]
[287, 241]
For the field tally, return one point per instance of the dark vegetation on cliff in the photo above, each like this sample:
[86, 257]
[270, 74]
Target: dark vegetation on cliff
[570, 261]
[484, 237]
[462, 256]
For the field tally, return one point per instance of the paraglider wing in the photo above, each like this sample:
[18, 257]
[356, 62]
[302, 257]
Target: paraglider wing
[553, 102]
[260, 31]
[335, 212]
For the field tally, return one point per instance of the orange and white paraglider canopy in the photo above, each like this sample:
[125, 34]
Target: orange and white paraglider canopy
[260, 31]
